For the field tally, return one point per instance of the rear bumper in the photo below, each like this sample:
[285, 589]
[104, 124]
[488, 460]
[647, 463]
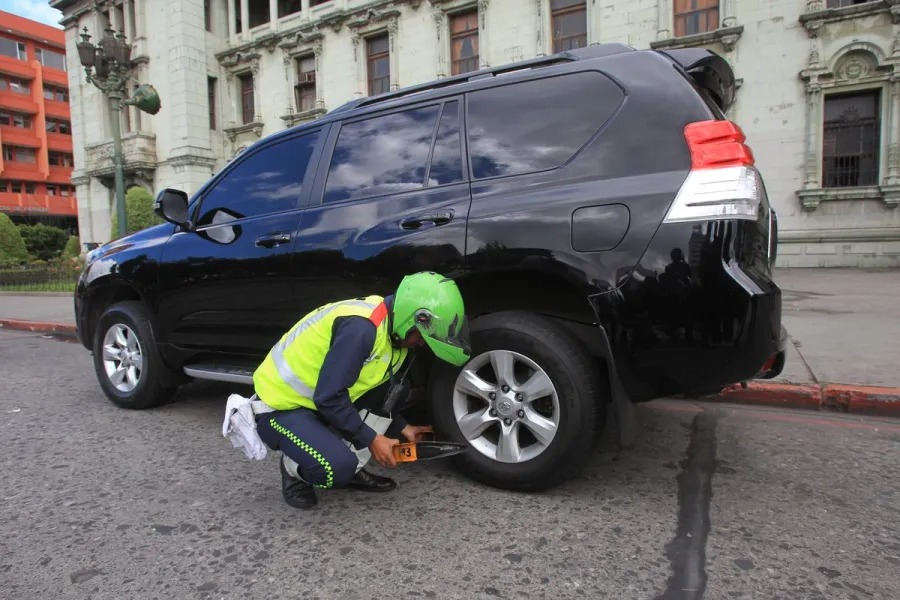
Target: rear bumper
[699, 313]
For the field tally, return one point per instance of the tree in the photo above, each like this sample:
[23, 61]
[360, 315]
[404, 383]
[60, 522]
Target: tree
[138, 212]
[12, 248]
[72, 249]
[43, 242]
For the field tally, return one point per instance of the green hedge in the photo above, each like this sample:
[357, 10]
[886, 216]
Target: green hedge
[12, 247]
[43, 241]
[138, 212]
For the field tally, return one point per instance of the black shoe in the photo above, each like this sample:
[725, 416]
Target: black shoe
[367, 482]
[296, 492]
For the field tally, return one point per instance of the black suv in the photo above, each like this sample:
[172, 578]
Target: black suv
[605, 222]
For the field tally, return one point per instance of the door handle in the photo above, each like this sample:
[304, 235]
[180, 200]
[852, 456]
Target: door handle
[270, 240]
[438, 218]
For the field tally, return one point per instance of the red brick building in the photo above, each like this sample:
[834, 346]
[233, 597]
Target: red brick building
[35, 127]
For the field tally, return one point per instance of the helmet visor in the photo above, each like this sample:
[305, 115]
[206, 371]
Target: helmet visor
[448, 340]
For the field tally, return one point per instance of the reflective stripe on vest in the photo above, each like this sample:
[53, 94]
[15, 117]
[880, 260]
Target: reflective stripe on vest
[284, 370]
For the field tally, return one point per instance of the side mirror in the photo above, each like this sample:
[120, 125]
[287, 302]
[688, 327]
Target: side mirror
[172, 205]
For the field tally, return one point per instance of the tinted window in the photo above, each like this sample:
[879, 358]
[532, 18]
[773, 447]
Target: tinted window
[266, 181]
[536, 125]
[446, 160]
[381, 155]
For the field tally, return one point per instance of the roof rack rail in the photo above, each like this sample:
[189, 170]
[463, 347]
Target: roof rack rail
[595, 51]
[532, 63]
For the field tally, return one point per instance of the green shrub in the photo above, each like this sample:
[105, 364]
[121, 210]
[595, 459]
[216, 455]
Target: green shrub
[43, 242]
[138, 212]
[73, 248]
[12, 247]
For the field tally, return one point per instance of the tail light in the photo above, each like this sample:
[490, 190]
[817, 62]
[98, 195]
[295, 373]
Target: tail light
[723, 182]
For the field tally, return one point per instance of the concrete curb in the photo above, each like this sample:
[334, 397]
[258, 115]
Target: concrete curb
[39, 327]
[852, 399]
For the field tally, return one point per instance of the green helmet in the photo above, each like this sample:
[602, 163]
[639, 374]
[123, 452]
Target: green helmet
[432, 304]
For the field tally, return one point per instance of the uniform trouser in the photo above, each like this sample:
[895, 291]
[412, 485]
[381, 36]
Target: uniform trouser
[323, 457]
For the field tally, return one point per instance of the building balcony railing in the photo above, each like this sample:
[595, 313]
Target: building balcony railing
[138, 151]
[55, 77]
[59, 141]
[38, 204]
[19, 102]
[60, 174]
[18, 68]
[54, 108]
[17, 136]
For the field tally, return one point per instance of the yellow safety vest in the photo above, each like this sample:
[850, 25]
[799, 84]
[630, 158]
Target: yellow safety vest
[287, 377]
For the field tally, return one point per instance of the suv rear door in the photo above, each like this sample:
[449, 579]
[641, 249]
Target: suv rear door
[225, 286]
[391, 197]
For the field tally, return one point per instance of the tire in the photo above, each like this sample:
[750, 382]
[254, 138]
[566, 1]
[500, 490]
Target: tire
[578, 410]
[140, 384]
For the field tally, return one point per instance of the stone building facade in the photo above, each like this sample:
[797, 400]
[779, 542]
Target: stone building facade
[818, 97]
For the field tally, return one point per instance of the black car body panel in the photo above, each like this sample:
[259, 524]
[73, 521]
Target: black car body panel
[572, 227]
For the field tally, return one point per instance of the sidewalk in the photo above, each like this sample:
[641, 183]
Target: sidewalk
[844, 342]
[38, 312]
[842, 354]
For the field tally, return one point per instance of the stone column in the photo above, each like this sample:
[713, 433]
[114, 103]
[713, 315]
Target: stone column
[128, 20]
[592, 14]
[727, 16]
[320, 97]
[245, 19]
[893, 154]
[304, 9]
[394, 57]
[813, 136]
[362, 89]
[483, 42]
[232, 20]
[664, 19]
[273, 14]
[541, 28]
[289, 76]
[257, 89]
[440, 24]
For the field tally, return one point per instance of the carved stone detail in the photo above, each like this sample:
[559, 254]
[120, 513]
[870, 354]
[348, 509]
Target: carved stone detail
[855, 65]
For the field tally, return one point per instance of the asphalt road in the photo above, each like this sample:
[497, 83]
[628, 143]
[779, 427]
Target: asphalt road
[714, 502]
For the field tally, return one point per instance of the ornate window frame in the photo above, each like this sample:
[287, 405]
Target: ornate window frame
[817, 15]
[855, 67]
[727, 34]
[235, 65]
[298, 46]
[442, 10]
[372, 23]
[544, 37]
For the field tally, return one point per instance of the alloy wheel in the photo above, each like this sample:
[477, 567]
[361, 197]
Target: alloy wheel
[506, 406]
[123, 357]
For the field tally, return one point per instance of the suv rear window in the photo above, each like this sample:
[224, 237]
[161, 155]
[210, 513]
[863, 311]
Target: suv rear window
[537, 125]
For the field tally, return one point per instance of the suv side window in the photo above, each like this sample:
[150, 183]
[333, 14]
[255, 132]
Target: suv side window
[536, 125]
[382, 155]
[264, 182]
[446, 160]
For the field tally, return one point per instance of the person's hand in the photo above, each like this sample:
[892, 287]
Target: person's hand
[381, 449]
[414, 433]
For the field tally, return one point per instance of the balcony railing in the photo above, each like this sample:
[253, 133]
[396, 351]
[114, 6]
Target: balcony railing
[138, 149]
[38, 204]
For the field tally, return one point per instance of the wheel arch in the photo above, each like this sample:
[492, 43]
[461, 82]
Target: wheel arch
[552, 296]
[103, 294]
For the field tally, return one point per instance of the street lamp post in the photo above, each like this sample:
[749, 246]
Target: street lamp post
[111, 63]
